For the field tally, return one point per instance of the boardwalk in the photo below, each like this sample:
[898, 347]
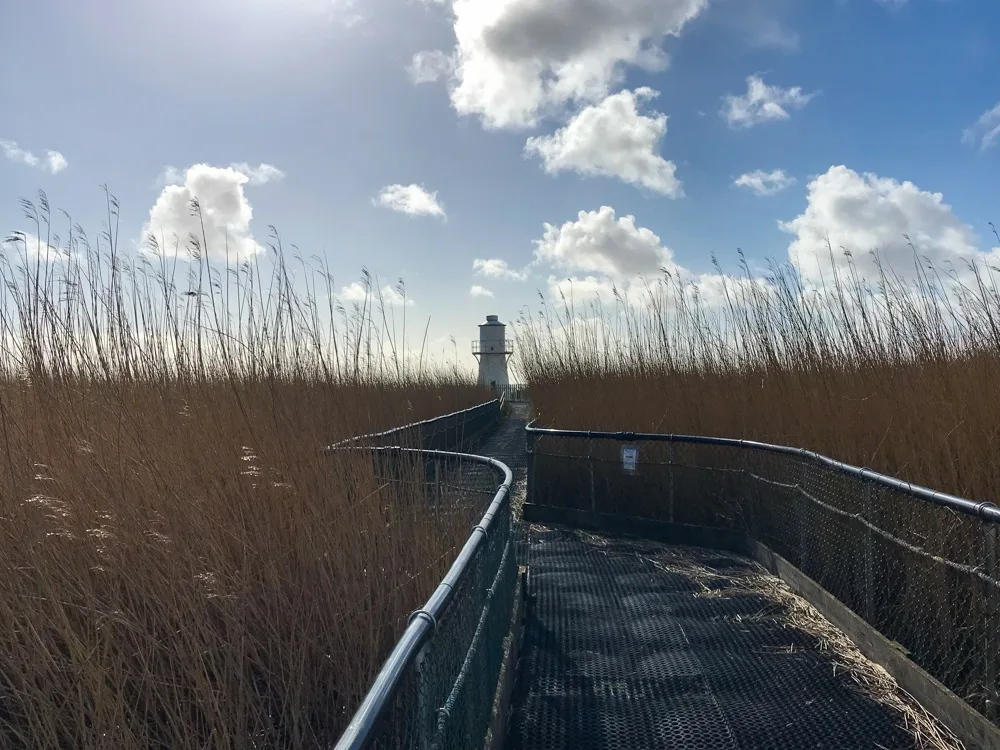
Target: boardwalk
[632, 644]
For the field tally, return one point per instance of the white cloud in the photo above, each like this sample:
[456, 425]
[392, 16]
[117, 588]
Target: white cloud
[582, 289]
[394, 297]
[615, 261]
[225, 211]
[597, 242]
[770, 34]
[480, 291]
[15, 153]
[519, 60]
[359, 292]
[429, 66]
[710, 290]
[54, 162]
[765, 183]
[414, 200]
[865, 212]
[986, 130]
[30, 245]
[260, 174]
[612, 139]
[762, 103]
[498, 269]
[355, 292]
[340, 12]
[170, 176]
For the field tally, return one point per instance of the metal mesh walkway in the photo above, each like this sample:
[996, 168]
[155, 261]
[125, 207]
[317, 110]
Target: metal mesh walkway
[631, 644]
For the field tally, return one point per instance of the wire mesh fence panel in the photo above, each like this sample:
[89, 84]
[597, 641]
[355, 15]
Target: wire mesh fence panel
[445, 695]
[923, 574]
[450, 432]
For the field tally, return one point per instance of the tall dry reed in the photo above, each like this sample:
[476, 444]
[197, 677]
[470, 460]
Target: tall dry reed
[182, 566]
[897, 373]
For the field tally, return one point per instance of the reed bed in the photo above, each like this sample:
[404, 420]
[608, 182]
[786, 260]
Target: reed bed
[900, 373]
[182, 566]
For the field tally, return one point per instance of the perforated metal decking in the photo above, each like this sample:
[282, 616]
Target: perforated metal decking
[629, 644]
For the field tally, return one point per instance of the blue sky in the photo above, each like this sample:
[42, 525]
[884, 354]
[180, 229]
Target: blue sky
[535, 128]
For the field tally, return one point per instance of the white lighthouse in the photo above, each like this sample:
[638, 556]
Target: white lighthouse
[492, 349]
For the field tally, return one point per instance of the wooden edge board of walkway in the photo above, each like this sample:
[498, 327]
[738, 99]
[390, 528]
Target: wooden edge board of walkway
[505, 688]
[970, 726]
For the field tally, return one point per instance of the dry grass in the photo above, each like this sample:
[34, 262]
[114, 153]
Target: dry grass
[183, 568]
[790, 610]
[902, 376]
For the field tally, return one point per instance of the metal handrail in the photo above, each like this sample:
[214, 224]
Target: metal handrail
[409, 426]
[986, 511]
[422, 622]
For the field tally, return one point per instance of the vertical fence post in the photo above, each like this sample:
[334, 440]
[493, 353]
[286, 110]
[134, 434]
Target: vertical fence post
[437, 488]
[992, 620]
[869, 516]
[531, 441]
[746, 498]
[801, 515]
[670, 482]
[590, 466]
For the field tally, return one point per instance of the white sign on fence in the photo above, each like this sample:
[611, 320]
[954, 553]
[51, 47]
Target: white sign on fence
[630, 457]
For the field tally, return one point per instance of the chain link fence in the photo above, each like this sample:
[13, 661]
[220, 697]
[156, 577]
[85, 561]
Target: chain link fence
[919, 566]
[438, 687]
[457, 431]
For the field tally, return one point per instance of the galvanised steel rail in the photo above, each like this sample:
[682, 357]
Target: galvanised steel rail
[986, 511]
[409, 426]
[423, 621]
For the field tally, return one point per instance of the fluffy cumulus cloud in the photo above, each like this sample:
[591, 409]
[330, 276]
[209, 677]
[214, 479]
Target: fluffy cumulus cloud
[30, 245]
[53, 162]
[765, 183]
[390, 296]
[225, 213]
[414, 200]
[479, 291]
[429, 66]
[259, 175]
[986, 131]
[861, 213]
[603, 257]
[599, 242]
[170, 176]
[497, 268]
[762, 103]
[516, 61]
[583, 289]
[612, 139]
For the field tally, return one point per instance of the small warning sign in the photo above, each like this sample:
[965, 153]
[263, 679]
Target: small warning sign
[630, 457]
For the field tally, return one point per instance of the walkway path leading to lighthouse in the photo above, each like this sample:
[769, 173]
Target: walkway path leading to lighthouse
[633, 644]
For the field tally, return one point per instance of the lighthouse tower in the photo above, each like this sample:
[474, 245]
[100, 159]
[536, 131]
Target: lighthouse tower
[492, 349]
